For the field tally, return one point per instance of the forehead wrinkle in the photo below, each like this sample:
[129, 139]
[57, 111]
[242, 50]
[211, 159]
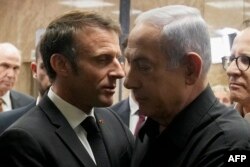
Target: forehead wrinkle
[241, 48]
[105, 42]
[143, 32]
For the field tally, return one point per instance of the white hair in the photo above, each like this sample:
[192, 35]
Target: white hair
[183, 30]
[8, 48]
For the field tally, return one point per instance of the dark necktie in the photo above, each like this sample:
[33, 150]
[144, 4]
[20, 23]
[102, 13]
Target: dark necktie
[140, 122]
[96, 142]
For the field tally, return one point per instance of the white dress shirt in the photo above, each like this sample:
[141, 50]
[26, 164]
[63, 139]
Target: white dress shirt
[74, 116]
[134, 117]
[7, 106]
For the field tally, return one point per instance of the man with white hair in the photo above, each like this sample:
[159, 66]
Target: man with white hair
[238, 72]
[10, 63]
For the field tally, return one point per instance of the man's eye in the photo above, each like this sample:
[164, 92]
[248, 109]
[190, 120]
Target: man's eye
[16, 68]
[104, 58]
[143, 66]
[244, 60]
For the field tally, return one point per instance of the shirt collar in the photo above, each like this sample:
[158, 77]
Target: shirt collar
[181, 128]
[6, 98]
[133, 105]
[73, 115]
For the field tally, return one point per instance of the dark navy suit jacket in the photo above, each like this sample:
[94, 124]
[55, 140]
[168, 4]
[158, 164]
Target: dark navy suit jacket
[122, 108]
[21, 103]
[44, 138]
[8, 117]
[19, 99]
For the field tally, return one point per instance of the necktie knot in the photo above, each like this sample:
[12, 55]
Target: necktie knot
[90, 125]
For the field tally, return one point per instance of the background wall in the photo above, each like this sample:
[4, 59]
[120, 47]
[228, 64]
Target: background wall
[20, 19]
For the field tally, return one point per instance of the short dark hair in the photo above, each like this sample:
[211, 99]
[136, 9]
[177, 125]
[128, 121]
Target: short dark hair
[60, 36]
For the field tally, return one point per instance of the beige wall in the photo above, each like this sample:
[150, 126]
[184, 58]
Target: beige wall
[21, 18]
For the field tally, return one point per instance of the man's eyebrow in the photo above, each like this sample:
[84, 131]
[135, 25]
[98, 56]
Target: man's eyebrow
[4, 64]
[243, 54]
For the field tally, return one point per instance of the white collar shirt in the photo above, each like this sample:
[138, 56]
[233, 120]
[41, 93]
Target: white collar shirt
[134, 117]
[74, 116]
[7, 105]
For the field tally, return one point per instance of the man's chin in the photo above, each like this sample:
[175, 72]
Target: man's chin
[5, 89]
[105, 102]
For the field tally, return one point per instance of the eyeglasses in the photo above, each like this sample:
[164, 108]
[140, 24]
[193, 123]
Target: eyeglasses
[242, 62]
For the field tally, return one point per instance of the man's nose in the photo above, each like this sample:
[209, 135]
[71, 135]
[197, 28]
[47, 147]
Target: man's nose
[233, 69]
[118, 71]
[132, 81]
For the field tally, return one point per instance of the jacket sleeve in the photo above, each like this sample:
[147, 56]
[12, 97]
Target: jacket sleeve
[19, 149]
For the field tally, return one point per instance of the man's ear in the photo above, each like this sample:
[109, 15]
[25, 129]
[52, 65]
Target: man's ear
[33, 67]
[193, 67]
[60, 64]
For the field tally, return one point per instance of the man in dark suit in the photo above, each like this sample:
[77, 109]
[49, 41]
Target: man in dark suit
[123, 109]
[169, 57]
[19, 99]
[43, 83]
[80, 52]
[128, 111]
[10, 63]
[7, 118]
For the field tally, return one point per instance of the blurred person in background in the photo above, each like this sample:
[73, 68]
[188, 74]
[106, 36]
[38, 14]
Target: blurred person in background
[43, 83]
[10, 63]
[129, 112]
[238, 71]
[39, 74]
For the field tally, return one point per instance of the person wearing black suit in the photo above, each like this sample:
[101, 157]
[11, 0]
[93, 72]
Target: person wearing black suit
[19, 99]
[10, 63]
[169, 56]
[123, 109]
[43, 83]
[80, 51]
[7, 118]
[127, 109]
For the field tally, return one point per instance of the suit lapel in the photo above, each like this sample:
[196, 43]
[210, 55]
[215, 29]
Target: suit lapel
[65, 132]
[140, 151]
[126, 112]
[123, 110]
[73, 143]
[108, 136]
[14, 100]
[147, 133]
